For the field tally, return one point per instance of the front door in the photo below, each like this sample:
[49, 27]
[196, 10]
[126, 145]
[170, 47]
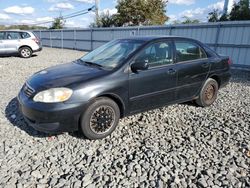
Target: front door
[192, 66]
[12, 41]
[2, 49]
[155, 86]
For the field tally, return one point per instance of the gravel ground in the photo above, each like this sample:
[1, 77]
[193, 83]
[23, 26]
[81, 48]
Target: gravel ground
[178, 146]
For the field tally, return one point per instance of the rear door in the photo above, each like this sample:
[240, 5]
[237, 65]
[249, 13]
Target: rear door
[156, 86]
[192, 67]
[12, 41]
[2, 49]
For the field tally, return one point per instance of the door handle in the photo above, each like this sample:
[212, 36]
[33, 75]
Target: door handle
[171, 71]
[205, 65]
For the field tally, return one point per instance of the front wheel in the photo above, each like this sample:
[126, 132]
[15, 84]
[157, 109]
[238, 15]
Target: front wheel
[208, 93]
[100, 119]
[25, 52]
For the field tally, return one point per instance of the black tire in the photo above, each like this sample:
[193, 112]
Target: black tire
[25, 52]
[97, 123]
[208, 93]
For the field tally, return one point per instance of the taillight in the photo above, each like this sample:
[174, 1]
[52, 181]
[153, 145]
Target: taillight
[229, 62]
[36, 40]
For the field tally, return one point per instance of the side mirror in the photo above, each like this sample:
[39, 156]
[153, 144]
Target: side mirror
[140, 65]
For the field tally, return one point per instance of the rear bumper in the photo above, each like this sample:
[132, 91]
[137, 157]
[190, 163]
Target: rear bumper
[225, 78]
[50, 118]
[39, 49]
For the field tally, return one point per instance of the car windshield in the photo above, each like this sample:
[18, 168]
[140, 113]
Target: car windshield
[112, 54]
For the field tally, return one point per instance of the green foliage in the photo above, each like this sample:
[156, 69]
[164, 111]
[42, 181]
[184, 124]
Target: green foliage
[188, 20]
[135, 12]
[224, 17]
[104, 20]
[58, 23]
[141, 12]
[214, 16]
[240, 11]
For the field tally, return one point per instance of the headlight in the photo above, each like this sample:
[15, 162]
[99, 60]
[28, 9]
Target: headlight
[53, 95]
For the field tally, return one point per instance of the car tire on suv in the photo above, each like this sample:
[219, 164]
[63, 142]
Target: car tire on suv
[208, 93]
[100, 119]
[25, 52]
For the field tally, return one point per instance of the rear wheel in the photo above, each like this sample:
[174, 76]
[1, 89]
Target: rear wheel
[100, 119]
[208, 93]
[25, 52]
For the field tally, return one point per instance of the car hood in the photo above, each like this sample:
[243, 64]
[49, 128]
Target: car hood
[64, 75]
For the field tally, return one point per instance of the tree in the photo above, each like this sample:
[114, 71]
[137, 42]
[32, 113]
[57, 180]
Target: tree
[141, 12]
[214, 16]
[135, 12]
[240, 11]
[188, 20]
[58, 23]
[224, 17]
[104, 20]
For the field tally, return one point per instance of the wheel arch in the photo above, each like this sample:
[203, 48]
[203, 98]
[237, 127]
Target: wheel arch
[23, 47]
[217, 79]
[117, 100]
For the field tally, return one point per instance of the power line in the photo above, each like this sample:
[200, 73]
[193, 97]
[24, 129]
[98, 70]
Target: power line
[87, 9]
[72, 15]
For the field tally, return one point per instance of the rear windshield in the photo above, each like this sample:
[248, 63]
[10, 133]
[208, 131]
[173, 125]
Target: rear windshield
[35, 35]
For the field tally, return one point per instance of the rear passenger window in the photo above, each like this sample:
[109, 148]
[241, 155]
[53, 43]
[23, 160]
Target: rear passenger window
[187, 51]
[24, 35]
[12, 35]
[157, 54]
[1, 35]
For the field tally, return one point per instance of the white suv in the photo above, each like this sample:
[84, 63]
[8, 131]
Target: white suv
[24, 43]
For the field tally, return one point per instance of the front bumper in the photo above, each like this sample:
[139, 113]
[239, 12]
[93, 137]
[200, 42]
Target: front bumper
[51, 117]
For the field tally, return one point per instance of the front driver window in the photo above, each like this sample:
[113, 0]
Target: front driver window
[157, 54]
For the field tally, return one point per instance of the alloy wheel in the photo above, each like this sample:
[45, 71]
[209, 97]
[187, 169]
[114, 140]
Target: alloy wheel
[25, 52]
[102, 119]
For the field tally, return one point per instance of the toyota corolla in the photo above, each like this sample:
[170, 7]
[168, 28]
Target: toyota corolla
[122, 78]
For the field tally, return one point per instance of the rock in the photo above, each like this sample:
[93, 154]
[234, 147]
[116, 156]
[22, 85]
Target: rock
[86, 180]
[36, 174]
[202, 182]
[77, 184]
[13, 116]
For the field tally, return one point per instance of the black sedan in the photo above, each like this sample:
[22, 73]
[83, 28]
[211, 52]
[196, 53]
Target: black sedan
[121, 78]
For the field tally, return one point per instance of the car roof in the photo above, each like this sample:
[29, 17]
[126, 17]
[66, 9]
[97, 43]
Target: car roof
[154, 37]
[14, 30]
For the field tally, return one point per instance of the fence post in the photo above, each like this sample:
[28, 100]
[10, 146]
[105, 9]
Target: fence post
[50, 39]
[138, 30]
[62, 39]
[91, 39]
[74, 47]
[40, 36]
[217, 36]
[170, 31]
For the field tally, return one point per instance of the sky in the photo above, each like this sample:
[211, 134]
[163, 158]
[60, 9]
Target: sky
[38, 11]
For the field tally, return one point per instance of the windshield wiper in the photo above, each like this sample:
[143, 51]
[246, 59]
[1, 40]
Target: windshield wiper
[92, 63]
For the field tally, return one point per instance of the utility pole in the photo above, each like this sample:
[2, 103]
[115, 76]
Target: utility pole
[225, 9]
[97, 9]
